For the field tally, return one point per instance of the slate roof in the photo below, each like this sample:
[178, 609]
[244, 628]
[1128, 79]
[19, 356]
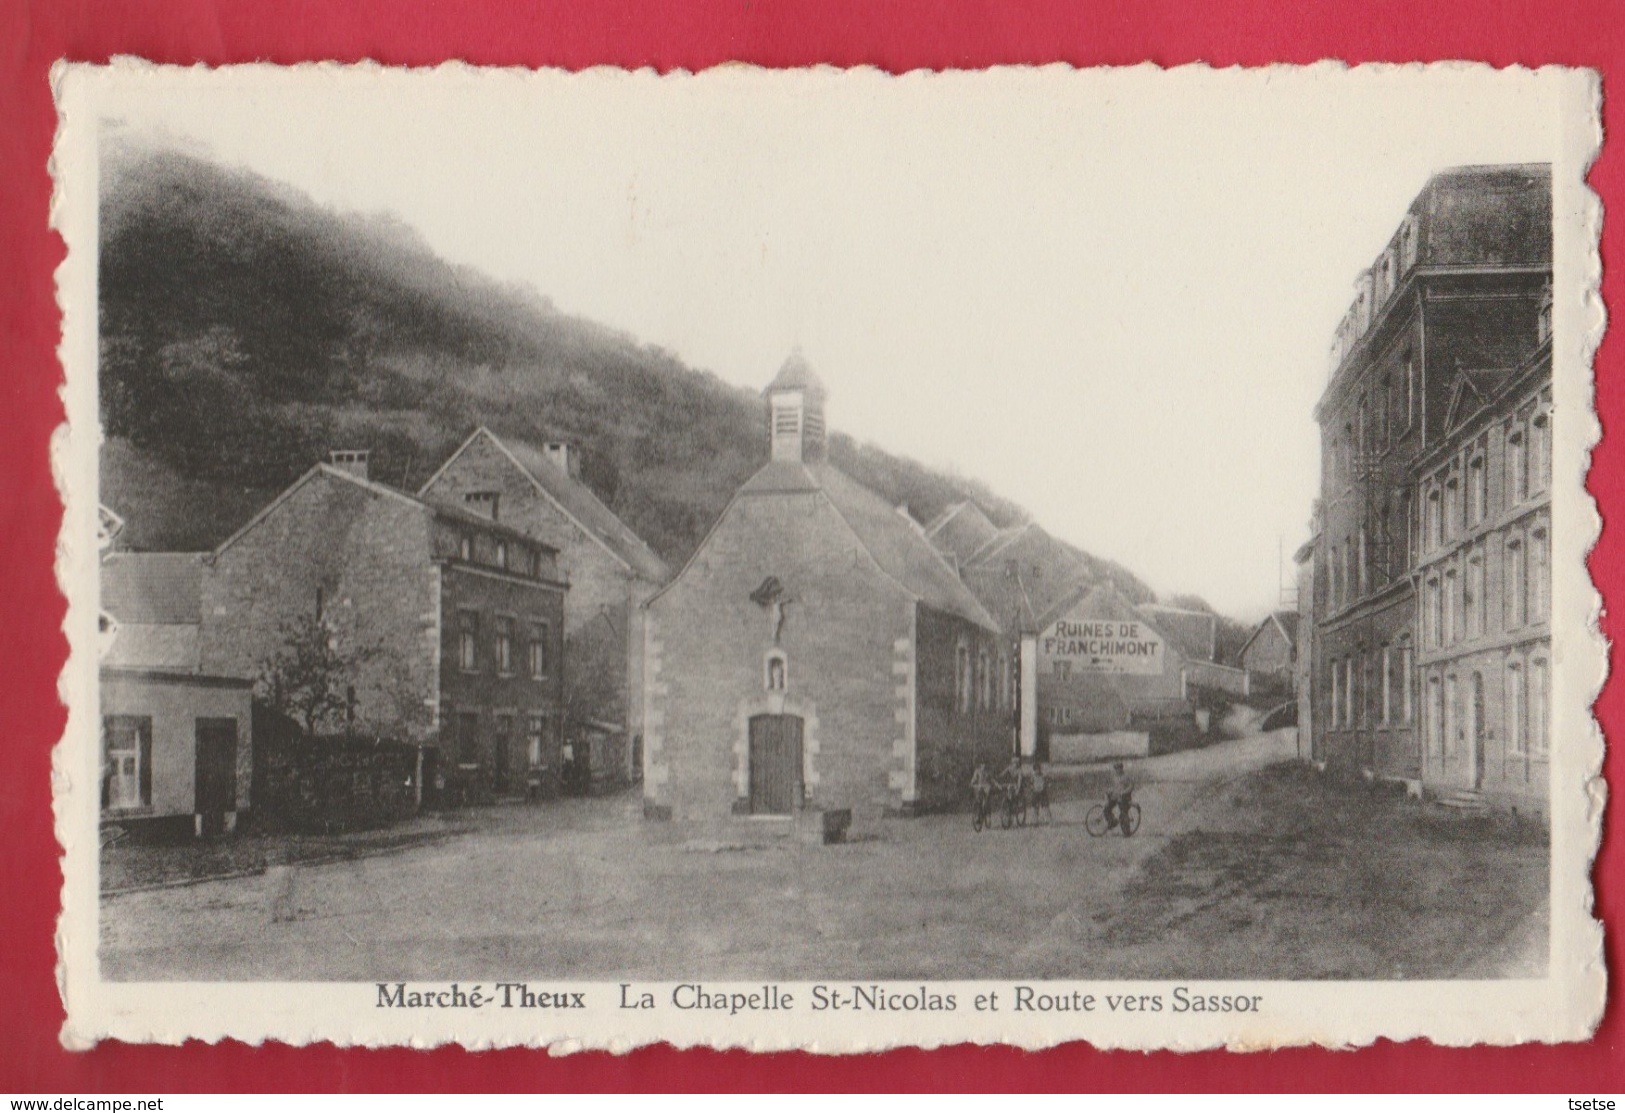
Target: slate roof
[896, 542]
[160, 648]
[795, 374]
[153, 588]
[1487, 216]
[576, 500]
[1194, 633]
[449, 513]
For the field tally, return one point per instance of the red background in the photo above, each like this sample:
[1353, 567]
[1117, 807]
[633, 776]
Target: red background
[900, 35]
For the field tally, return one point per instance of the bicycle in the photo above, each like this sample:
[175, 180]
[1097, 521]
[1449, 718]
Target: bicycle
[1015, 807]
[1097, 824]
[982, 809]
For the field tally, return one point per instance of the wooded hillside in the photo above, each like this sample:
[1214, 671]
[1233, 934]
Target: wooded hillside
[247, 331]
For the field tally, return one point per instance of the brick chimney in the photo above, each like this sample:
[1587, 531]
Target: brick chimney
[563, 455]
[352, 460]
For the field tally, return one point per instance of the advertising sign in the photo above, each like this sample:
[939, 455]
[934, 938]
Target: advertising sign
[1104, 645]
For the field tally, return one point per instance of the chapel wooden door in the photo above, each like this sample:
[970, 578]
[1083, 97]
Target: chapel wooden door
[775, 764]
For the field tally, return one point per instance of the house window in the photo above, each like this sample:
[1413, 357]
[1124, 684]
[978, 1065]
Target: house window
[1517, 468]
[1410, 390]
[1540, 451]
[984, 665]
[964, 683]
[1337, 694]
[1351, 696]
[1477, 489]
[778, 672]
[465, 547]
[1433, 613]
[1435, 519]
[1387, 685]
[1516, 735]
[502, 554]
[1452, 609]
[1407, 684]
[1539, 706]
[1452, 713]
[126, 761]
[483, 502]
[1452, 507]
[1474, 589]
[1540, 574]
[1006, 693]
[535, 729]
[1517, 606]
[1435, 723]
[539, 632]
[1363, 562]
[468, 640]
[504, 645]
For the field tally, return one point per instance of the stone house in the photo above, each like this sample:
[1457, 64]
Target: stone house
[1270, 654]
[455, 622]
[611, 573]
[817, 652]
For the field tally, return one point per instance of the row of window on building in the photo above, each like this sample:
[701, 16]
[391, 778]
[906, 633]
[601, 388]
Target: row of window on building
[1526, 691]
[1455, 595]
[1458, 497]
[502, 656]
[983, 683]
[1386, 681]
[501, 553]
[1459, 494]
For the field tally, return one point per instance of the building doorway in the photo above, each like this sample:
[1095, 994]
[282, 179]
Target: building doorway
[216, 784]
[775, 764]
[1476, 730]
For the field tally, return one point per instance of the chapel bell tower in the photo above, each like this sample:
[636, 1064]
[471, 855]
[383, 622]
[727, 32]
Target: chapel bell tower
[795, 412]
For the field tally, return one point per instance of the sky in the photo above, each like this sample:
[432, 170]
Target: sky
[1107, 294]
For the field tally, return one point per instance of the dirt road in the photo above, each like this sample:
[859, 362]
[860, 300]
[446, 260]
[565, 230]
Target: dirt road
[1243, 867]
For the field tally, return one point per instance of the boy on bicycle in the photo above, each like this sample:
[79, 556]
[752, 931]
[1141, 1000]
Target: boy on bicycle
[1119, 794]
[1013, 777]
[981, 787]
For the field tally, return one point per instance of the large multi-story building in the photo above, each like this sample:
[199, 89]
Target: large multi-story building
[1449, 308]
[1484, 570]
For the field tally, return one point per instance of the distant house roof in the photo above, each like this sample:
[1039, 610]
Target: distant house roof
[895, 542]
[153, 588]
[1196, 633]
[1286, 622]
[577, 502]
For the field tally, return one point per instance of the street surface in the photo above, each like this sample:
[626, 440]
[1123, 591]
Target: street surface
[1246, 866]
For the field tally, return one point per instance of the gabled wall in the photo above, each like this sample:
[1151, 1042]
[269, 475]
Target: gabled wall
[368, 554]
[846, 638]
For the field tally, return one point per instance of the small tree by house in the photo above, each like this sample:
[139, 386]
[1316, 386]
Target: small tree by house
[312, 677]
